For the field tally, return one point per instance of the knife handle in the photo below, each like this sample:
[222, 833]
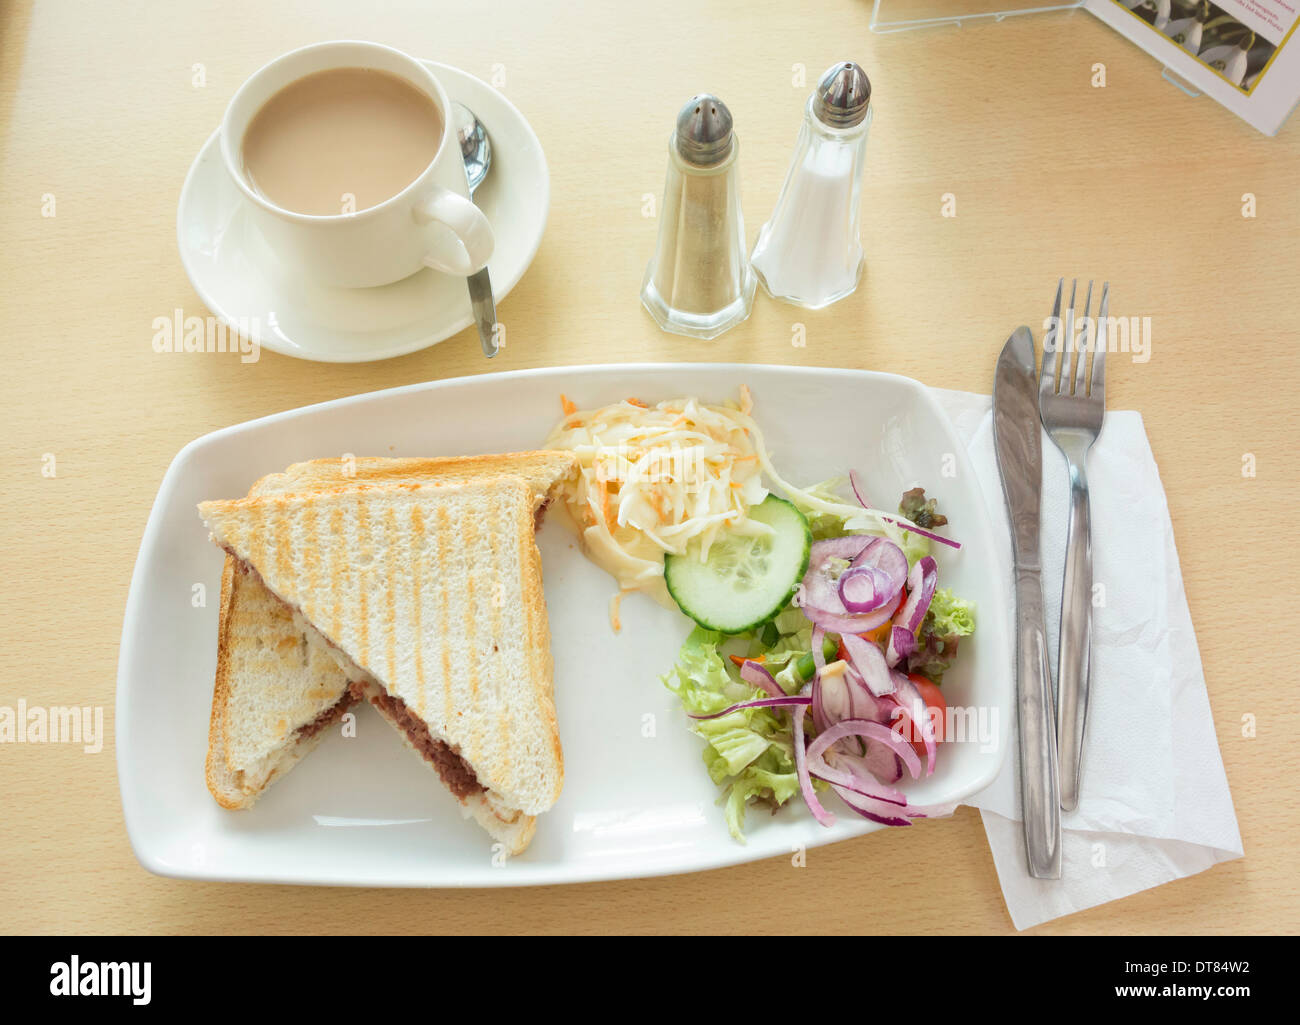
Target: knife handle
[1074, 652]
[1039, 771]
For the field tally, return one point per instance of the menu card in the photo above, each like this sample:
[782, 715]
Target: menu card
[1243, 53]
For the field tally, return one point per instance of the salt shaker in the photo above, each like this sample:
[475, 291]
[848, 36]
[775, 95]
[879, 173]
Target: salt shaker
[699, 282]
[809, 252]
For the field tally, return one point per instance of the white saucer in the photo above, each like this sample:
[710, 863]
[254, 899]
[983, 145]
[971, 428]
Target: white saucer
[241, 280]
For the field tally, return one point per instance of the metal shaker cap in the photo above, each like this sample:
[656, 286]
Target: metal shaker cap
[704, 131]
[843, 95]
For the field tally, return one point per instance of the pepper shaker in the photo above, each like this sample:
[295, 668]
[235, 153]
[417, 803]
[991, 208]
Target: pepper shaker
[699, 282]
[809, 252]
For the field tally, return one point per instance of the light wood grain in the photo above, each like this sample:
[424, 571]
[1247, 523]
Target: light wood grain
[1134, 182]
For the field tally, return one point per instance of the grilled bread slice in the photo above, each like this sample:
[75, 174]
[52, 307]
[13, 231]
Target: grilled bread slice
[276, 695]
[429, 598]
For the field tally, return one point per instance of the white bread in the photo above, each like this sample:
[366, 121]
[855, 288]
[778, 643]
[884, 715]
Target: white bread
[269, 684]
[432, 592]
[270, 681]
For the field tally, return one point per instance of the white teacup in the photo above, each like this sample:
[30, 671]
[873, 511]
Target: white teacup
[430, 223]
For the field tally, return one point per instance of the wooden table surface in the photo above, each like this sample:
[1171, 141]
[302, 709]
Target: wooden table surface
[1134, 182]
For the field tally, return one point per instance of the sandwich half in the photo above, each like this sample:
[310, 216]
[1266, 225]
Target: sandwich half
[276, 695]
[428, 598]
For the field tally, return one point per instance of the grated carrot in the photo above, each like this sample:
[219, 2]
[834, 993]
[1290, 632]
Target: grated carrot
[740, 660]
[638, 402]
[604, 503]
[880, 635]
[565, 404]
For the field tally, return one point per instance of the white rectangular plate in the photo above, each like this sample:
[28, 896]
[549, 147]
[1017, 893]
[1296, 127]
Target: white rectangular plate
[637, 802]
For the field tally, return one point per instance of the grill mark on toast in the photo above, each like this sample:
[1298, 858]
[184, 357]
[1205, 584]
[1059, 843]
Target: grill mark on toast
[390, 628]
[337, 553]
[363, 605]
[280, 528]
[417, 600]
[470, 536]
[309, 533]
[254, 539]
[444, 606]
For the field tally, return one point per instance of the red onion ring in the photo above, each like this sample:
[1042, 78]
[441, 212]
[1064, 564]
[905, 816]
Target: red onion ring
[869, 663]
[757, 675]
[865, 588]
[871, 731]
[884, 555]
[801, 771]
[902, 642]
[911, 529]
[910, 700]
[869, 808]
[921, 583]
[858, 493]
[851, 624]
[759, 703]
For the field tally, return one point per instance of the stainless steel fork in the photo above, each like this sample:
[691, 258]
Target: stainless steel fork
[1072, 409]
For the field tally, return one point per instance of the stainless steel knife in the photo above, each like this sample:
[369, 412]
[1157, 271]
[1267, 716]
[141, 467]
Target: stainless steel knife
[1019, 449]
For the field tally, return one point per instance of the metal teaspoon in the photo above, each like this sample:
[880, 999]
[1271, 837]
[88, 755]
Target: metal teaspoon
[476, 151]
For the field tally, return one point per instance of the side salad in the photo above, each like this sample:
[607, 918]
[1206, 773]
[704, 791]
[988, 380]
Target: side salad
[819, 652]
[822, 635]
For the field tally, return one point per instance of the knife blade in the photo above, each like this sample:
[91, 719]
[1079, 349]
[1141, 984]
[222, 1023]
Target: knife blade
[1019, 446]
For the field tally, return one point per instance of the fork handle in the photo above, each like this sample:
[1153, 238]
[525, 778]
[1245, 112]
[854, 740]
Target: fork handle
[1075, 649]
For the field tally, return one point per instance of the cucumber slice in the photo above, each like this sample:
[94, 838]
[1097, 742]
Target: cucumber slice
[746, 580]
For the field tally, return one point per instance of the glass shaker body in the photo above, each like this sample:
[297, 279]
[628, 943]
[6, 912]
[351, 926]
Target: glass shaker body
[810, 251]
[699, 282]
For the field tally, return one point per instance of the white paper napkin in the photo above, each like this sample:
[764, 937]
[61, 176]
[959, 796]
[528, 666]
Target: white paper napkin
[1154, 805]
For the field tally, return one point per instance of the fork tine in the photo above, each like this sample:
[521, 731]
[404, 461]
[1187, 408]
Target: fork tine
[1067, 367]
[1081, 361]
[1051, 344]
[1098, 389]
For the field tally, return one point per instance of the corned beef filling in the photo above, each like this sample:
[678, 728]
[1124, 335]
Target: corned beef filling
[540, 514]
[328, 717]
[456, 774]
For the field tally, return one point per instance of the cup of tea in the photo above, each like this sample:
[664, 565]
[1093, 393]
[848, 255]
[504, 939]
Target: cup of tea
[347, 154]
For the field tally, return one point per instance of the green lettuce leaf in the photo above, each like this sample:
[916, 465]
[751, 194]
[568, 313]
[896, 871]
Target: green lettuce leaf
[950, 616]
[948, 620]
[915, 547]
[749, 752]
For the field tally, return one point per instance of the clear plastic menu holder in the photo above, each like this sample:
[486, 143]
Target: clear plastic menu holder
[904, 15]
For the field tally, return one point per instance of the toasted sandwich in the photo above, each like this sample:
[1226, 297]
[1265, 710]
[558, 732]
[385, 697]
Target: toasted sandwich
[429, 599]
[275, 693]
